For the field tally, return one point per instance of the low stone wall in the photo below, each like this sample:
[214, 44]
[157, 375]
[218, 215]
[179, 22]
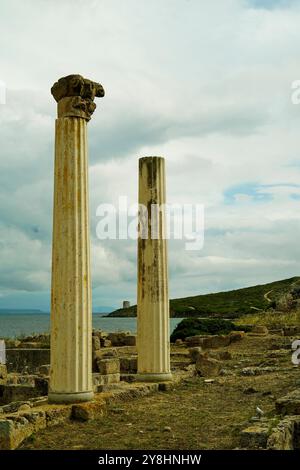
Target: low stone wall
[14, 392]
[286, 435]
[15, 427]
[281, 432]
[18, 360]
[214, 341]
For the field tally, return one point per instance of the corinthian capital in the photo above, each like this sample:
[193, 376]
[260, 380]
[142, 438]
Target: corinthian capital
[75, 96]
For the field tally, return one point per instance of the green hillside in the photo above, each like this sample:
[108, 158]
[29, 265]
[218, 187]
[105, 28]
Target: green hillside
[230, 304]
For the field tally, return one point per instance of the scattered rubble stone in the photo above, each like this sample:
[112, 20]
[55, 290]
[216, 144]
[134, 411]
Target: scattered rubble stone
[214, 341]
[206, 366]
[194, 353]
[290, 404]
[260, 330]
[88, 411]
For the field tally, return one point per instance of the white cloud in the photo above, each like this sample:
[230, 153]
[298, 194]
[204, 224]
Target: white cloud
[205, 84]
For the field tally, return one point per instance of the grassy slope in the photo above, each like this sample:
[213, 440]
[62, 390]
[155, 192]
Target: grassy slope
[229, 304]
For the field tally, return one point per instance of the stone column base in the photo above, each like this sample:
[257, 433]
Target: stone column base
[70, 397]
[163, 377]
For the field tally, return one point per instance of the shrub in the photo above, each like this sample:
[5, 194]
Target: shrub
[202, 326]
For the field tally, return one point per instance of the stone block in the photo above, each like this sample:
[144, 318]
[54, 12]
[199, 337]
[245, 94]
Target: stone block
[99, 379]
[41, 385]
[16, 406]
[3, 374]
[128, 365]
[166, 386]
[290, 404]
[7, 441]
[213, 341]
[88, 411]
[255, 436]
[44, 370]
[129, 340]
[95, 343]
[122, 339]
[235, 336]
[15, 428]
[285, 436]
[108, 366]
[12, 392]
[260, 330]
[193, 341]
[224, 356]
[194, 353]
[58, 414]
[219, 341]
[207, 367]
[98, 333]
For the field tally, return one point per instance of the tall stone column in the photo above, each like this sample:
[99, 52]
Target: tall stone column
[153, 335]
[71, 316]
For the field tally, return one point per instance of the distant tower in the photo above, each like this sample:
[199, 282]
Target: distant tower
[126, 304]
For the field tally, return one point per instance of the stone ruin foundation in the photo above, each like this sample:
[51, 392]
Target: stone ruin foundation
[76, 373]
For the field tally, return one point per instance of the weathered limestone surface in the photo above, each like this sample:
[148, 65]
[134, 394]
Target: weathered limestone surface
[88, 411]
[109, 366]
[71, 323]
[14, 429]
[75, 96]
[153, 342]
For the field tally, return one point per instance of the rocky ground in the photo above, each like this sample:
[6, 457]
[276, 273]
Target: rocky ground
[200, 413]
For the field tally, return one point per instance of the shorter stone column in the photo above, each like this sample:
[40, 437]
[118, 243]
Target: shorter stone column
[153, 332]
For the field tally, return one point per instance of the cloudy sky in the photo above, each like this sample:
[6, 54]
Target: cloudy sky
[207, 85]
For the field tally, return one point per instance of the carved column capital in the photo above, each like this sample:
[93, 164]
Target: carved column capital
[75, 96]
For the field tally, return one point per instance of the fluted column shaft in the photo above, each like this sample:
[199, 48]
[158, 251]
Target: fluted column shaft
[71, 316]
[71, 321]
[153, 336]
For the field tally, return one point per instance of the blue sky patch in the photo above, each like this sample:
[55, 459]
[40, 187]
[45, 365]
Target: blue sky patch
[254, 191]
[271, 4]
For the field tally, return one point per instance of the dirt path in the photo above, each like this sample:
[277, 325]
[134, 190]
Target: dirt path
[196, 415]
[266, 296]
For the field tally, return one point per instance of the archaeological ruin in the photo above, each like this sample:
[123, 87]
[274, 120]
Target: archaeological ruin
[77, 372]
